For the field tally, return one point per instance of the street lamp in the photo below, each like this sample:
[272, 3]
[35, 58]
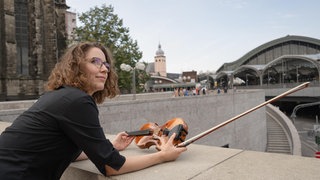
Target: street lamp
[128, 68]
[186, 78]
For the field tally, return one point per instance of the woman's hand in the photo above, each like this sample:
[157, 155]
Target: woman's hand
[122, 141]
[169, 151]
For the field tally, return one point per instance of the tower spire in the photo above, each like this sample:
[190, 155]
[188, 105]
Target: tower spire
[160, 66]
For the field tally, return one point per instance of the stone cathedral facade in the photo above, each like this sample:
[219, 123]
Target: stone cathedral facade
[32, 38]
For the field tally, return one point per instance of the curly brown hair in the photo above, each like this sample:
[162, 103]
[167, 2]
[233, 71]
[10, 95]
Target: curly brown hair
[67, 72]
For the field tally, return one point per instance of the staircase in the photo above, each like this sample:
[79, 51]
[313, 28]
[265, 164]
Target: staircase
[277, 141]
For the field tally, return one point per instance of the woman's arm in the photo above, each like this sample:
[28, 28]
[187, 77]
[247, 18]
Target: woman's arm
[121, 142]
[168, 152]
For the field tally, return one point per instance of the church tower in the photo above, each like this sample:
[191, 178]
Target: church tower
[160, 66]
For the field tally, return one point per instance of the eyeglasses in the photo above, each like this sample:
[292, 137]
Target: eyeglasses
[98, 62]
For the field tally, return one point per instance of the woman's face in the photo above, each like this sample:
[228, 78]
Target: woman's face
[96, 68]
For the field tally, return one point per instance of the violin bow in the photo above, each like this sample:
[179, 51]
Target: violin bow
[195, 138]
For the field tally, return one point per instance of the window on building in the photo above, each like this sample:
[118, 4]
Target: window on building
[21, 17]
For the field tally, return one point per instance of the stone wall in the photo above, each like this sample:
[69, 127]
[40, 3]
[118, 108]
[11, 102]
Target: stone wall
[46, 42]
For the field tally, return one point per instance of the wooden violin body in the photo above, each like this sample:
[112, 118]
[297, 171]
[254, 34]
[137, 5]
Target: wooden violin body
[148, 133]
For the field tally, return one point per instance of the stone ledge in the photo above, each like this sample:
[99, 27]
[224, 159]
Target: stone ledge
[207, 162]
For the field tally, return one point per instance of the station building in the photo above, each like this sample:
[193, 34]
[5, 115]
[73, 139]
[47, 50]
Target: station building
[290, 59]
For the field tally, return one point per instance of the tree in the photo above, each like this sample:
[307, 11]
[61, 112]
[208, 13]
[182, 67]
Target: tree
[100, 24]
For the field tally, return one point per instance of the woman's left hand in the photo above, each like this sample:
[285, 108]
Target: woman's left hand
[122, 141]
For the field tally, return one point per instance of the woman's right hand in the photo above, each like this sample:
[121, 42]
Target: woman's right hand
[168, 150]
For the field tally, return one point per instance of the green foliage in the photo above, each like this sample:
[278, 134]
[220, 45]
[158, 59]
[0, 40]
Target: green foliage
[100, 24]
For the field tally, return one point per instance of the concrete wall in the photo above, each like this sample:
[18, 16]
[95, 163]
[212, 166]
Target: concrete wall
[200, 113]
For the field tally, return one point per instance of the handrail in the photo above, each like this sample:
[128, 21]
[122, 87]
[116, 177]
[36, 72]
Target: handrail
[296, 108]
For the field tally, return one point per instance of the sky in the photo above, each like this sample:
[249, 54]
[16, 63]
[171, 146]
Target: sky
[202, 35]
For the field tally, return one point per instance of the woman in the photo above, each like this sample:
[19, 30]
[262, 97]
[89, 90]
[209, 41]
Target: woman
[41, 142]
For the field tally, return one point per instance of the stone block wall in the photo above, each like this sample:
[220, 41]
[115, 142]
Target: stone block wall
[47, 41]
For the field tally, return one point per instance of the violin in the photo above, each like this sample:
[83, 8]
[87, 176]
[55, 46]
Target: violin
[148, 133]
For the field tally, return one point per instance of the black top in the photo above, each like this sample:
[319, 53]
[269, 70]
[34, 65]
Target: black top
[41, 142]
